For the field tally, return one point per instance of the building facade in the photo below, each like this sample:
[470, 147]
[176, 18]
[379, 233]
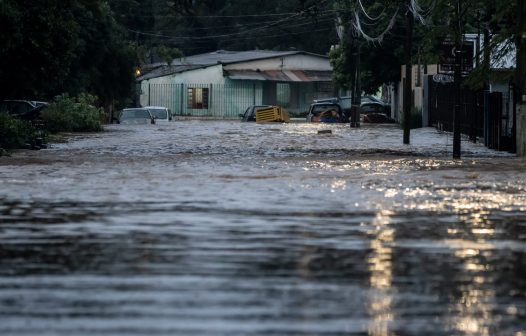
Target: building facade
[223, 84]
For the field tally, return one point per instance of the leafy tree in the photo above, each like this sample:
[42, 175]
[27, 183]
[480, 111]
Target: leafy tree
[38, 43]
[51, 47]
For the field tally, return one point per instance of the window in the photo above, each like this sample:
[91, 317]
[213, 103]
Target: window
[197, 98]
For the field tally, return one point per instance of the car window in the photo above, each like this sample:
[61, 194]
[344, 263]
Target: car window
[159, 113]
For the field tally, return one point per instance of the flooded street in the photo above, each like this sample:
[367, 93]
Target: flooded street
[229, 228]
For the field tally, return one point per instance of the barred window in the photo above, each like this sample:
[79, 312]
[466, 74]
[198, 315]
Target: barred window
[197, 98]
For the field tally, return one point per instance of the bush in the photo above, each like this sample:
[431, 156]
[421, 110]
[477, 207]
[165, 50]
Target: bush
[73, 114]
[15, 133]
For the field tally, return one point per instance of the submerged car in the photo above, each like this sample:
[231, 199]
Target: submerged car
[139, 115]
[160, 113]
[327, 113]
[377, 118]
[23, 109]
[374, 107]
[250, 112]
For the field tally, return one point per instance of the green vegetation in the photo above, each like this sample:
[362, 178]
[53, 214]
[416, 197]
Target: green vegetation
[15, 133]
[54, 47]
[73, 114]
[64, 114]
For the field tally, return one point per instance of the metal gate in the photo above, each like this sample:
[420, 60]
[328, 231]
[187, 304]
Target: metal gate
[487, 115]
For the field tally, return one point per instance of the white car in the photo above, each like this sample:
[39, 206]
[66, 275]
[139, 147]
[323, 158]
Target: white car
[139, 115]
[159, 113]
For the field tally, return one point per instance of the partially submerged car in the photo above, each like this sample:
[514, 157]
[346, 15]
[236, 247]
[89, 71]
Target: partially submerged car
[374, 107]
[377, 118]
[138, 115]
[250, 112]
[160, 113]
[327, 112]
[23, 109]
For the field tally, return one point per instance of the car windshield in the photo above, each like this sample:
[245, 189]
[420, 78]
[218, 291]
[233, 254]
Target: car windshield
[159, 113]
[135, 113]
[322, 108]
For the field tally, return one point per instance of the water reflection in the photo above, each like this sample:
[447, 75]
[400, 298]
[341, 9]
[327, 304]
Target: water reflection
[476, 301]
[380, 266]
[223, 228]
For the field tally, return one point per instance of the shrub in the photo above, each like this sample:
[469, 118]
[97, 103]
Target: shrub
[73, 114]
[15, 133]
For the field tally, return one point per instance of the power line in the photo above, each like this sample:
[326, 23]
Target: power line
[261, 37]
[274, 24]
[221, 16]
[240, 25]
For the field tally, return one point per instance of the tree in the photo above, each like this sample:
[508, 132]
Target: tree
[38, 43]
[71, 46]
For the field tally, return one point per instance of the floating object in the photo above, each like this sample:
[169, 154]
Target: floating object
[325, 132]
[270, 114]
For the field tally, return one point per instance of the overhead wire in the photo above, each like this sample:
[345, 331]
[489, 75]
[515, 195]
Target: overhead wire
[256, 28]
[216, 16]
[379, 38]
[238, 25]
[207, 37]
[367, 15]
[413, 6]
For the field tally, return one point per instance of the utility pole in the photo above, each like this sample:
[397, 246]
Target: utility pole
[458, 79]
[406, 117]
[520, 80]
[356, 90]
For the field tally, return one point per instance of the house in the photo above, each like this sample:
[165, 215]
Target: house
[222, 84]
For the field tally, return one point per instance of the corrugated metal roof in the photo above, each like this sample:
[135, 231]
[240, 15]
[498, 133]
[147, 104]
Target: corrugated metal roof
[166, 70]
[280, 76]
[216, 57]
[228, 57]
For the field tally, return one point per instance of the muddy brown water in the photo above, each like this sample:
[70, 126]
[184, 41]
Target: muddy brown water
[225, 228]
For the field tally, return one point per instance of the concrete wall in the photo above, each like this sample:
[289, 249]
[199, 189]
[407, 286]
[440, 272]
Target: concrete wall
[418, 88]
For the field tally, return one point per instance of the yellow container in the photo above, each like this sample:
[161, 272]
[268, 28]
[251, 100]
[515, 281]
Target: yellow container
[272, 114]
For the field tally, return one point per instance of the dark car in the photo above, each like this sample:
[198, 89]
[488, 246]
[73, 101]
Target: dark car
[250, 112]
[23, 109]
[327, 113]
[344, 102]
[371, 104]
[377, 118]
[374, 107]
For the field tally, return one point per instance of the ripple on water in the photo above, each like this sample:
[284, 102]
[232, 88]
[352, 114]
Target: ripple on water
[223, 228]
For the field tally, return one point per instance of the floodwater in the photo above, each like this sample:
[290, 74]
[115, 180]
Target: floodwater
[229, 228]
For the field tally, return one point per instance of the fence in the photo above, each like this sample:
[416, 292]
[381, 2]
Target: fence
[227, 101]
[483, 114]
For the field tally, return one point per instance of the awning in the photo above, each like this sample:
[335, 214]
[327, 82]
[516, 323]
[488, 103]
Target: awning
[280, 76]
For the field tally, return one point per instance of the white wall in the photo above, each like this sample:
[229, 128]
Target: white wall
[210, 75]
